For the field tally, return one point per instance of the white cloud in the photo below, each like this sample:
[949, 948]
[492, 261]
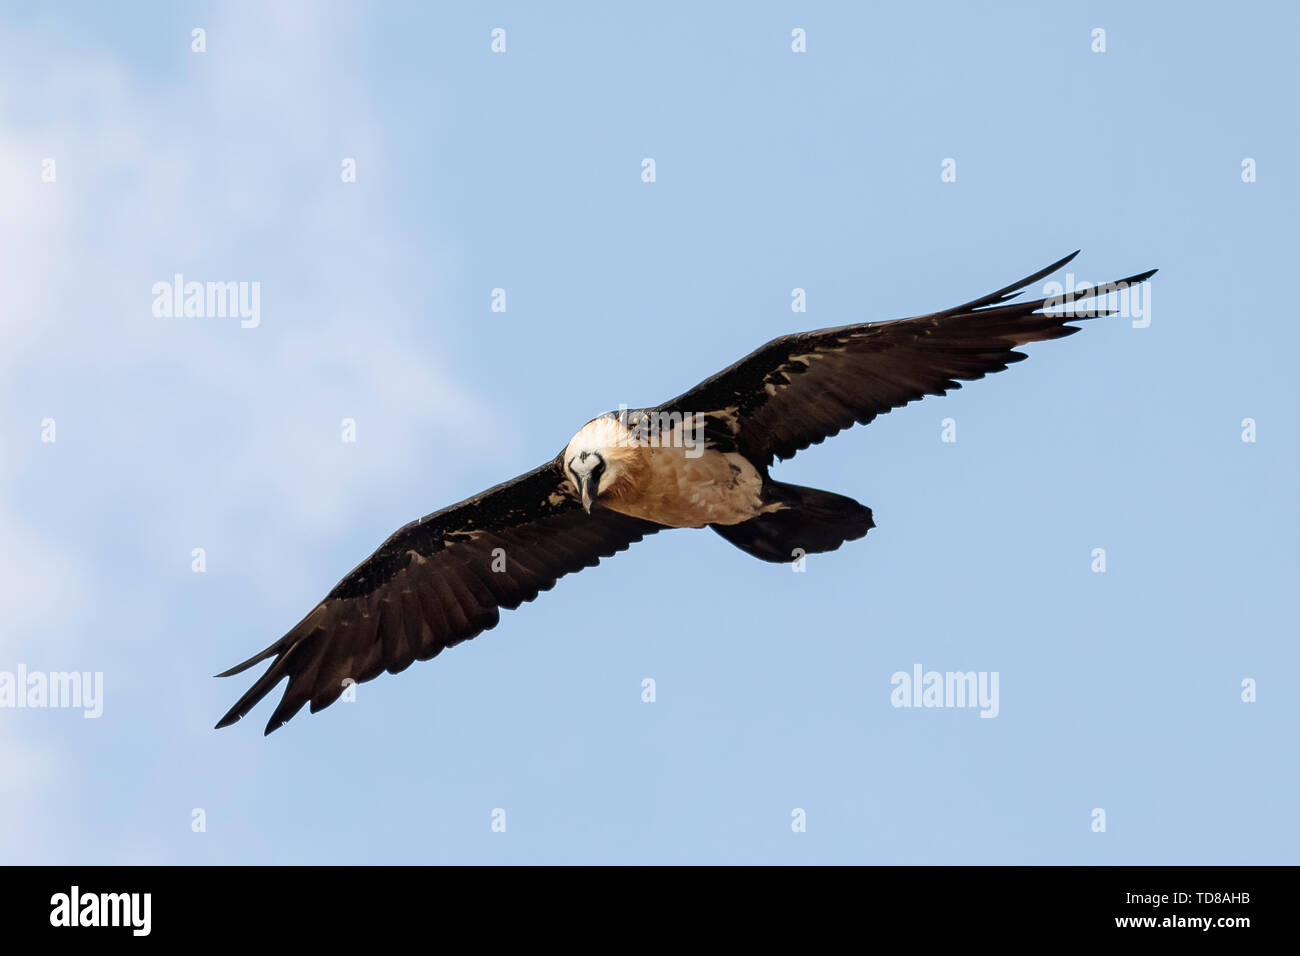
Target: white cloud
[229, 168]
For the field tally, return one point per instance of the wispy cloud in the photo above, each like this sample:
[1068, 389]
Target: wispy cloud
[227, 170]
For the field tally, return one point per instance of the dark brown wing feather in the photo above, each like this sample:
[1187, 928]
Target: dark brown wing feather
[433, 584]
[800, 389]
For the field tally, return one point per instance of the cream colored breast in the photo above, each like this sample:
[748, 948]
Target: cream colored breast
[681, 491]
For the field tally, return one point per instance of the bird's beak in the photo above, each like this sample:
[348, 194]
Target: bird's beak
[588, 494]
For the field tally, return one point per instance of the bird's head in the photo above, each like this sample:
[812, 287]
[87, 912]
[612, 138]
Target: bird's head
[599, 459]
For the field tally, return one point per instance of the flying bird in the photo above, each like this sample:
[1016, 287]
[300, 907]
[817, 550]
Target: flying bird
[699, 460]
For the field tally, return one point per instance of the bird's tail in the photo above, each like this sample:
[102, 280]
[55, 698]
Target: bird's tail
[810, 522]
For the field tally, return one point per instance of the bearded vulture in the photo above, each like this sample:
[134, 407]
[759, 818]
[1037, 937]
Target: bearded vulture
[700, 460]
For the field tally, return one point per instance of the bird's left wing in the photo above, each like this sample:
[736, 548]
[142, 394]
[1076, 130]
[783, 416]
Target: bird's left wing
[798, 390]
[436, 582]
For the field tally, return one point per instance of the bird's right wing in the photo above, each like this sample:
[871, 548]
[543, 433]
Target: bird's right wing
[436, 582]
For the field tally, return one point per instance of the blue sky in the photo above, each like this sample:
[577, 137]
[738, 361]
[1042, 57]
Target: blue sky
[774, 170]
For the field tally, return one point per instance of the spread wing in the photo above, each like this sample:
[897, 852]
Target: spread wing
[436, 582]
[798, 390]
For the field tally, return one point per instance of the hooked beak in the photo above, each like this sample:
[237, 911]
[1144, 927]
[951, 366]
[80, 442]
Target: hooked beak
[587, 487]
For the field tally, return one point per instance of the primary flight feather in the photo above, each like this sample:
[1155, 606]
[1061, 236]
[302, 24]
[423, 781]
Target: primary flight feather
[698, 460]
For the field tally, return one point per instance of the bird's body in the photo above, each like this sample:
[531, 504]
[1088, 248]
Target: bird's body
[699, 460]
[666, 478]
